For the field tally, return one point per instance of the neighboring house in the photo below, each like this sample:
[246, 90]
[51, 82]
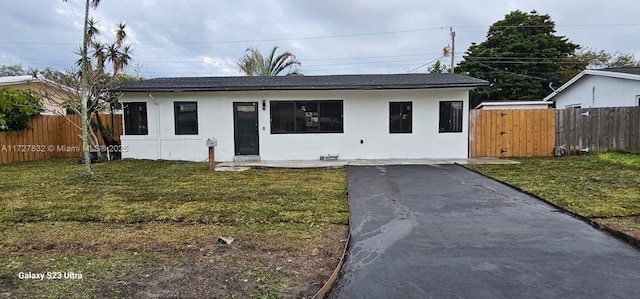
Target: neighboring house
[298, 117]
[509, 105]
[615, 87]
[52, 95]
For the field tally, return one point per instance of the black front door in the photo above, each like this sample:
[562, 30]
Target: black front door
[245, 118]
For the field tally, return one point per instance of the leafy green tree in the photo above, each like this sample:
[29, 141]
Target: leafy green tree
[437, 68]
[518, 58]
[253, 63]
[17, 108]
[592, 59]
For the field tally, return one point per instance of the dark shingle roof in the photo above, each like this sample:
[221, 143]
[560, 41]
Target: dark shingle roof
[331, 82]
[627, 70]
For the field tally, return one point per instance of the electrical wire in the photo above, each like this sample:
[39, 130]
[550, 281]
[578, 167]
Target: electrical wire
[319, 66]
[328, 36]
[423, 65]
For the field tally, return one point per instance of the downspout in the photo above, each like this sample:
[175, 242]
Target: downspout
[158, 133]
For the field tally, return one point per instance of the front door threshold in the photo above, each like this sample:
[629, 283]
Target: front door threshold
[243, 158]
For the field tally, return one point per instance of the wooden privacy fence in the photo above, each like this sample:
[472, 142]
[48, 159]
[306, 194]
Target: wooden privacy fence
[598, 129]
[49, 137]
[511, 133]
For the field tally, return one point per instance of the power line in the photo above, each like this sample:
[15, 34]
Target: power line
[367, 57]
[389, 63]
[327, 36]
[422, 65]
[240, 41]
[505, 71]
[529, 62]
[333, 61]
[556, 25]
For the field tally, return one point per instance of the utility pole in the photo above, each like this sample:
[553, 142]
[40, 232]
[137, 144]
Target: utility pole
[453, 49]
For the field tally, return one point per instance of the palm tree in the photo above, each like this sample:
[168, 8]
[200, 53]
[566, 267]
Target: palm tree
[99, 53]
[121, 57]
[254, 64]
[117, 53]
[94, 94]
[84, 85]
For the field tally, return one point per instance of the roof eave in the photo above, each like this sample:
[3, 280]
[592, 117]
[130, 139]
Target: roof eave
[276, 88]
[593, 73]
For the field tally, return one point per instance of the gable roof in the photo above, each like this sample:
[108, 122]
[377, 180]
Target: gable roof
[626, 70]
[628, 73]
[28, 79]
[330, 82]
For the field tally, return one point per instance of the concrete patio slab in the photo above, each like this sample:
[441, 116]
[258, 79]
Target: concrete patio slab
[361, 162]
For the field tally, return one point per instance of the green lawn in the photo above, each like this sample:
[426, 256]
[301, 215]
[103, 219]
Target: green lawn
[605, 187]
[137, 215]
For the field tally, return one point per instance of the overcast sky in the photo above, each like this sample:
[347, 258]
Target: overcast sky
[205, 37]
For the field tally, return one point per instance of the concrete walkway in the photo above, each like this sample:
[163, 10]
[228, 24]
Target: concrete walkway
[442, 231]
[243, 165]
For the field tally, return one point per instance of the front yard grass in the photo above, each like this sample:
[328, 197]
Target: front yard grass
[604, 187]
[143, 228]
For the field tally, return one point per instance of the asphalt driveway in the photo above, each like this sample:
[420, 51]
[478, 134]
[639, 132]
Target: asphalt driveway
[433, 231]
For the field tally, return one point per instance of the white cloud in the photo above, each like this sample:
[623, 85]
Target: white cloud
[220, 66]
[173, 38]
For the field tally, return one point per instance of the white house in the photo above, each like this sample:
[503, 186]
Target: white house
[615, 87]
[298, 117]
[53, 94]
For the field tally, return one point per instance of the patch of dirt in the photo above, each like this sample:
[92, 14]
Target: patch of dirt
[233, 271]
[202, 269]
[207, 281]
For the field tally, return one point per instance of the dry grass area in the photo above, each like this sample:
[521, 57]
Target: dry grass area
[604, 187]
[149, 229]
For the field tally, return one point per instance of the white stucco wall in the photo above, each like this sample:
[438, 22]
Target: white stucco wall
[599, 91]
[366, 118]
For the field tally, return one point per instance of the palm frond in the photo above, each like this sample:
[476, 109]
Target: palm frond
[94, 4]
[121, 33]
[99, 54]
[254, 64]
[92, 29]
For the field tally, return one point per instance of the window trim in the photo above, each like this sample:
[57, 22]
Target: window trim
[410, 113]
[295, 118]
[127, 124]
[461, 117]
[175, 118]
[573, 106]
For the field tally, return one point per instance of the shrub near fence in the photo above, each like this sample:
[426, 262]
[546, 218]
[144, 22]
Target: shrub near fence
[49, 137]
